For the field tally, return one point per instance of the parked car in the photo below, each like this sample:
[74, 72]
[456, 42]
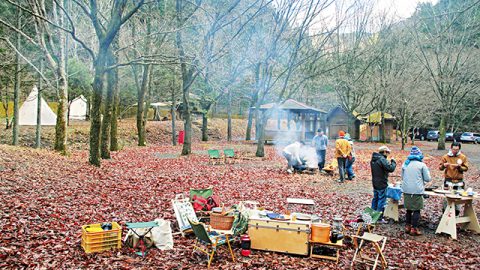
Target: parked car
[420, 133]
[450, 136]
[470, 137]
[432, 135]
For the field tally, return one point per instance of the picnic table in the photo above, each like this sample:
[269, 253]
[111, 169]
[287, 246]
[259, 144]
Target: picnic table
[448, 222]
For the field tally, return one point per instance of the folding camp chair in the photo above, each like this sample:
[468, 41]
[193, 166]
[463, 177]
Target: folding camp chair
[207, 242]
[213, 156]
[203, 192]
[147, 226]
[229, 154]
[367, 223]
[378, 242]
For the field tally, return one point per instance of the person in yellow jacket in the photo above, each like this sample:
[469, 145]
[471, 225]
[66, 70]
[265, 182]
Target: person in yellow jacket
[342, 151]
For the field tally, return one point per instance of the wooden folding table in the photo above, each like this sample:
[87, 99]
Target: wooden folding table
[448, 222]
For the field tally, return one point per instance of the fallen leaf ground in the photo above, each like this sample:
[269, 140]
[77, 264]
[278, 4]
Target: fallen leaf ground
[45, 198]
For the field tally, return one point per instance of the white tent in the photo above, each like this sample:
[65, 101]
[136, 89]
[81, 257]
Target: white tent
[28, 111]
[78, 108]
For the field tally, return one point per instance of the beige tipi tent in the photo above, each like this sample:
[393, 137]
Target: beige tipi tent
[28, 111]
[78, 108]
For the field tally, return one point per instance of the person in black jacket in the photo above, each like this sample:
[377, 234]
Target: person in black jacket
[380, 169]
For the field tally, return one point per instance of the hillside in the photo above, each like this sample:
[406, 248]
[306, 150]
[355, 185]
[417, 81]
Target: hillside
[158, 132]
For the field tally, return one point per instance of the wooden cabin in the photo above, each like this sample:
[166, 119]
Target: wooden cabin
[338, 119]
[370, 130]
[291, 121]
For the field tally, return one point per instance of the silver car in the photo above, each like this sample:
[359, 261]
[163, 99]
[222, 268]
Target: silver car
[470, 137]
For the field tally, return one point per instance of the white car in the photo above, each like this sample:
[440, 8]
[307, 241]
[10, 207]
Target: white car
[470, 137]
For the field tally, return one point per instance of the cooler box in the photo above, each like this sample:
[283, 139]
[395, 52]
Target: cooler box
[281, 236]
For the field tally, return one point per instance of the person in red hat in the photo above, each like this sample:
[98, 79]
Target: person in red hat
[342, 151]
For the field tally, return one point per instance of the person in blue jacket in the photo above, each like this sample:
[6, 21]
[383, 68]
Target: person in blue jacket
[414, 176]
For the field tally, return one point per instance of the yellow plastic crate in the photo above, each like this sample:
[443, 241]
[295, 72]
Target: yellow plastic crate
[95, 239]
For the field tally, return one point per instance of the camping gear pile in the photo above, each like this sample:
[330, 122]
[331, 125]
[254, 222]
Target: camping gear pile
[108, 236]
[254, 228]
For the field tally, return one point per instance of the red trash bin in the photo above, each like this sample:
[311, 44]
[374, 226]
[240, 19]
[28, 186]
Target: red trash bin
[181, 136]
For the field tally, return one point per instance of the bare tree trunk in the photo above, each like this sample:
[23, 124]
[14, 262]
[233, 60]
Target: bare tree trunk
[187, 78]
[172, 112]
[204, 126]
[383, 137]
[61, 125]
[107, 114]
[404, 128]
[143, 90]
[261, 135]
[147, 102]
[187, 125]
[38, 131]
[16, 93]
[397, 127]
[248, 136]
[413, 136]
[229, 118]
[253, 101]
[441, 136]
[115, 110]
[140, 105]
[95, 122]
[5, 103]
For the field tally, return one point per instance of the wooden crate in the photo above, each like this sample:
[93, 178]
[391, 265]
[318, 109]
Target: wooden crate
[282, 236]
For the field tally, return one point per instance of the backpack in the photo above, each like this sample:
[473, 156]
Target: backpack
[200, 203]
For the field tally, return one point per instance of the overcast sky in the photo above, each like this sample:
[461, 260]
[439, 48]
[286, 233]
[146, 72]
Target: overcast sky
[399, 9]
[396, 10]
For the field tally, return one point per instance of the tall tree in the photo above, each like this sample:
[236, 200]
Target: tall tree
[49, 20]
[106, 29]
[38, 130]
[286, 47]
[16, 93]
[447, 47]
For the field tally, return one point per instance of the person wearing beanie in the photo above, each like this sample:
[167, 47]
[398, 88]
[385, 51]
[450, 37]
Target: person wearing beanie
[415, 174]
[380, 168]
[342, 151]
[320, 142]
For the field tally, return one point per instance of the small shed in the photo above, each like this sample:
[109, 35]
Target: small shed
[373, 124]
[338, 119]
[161, 111]
[292, 120]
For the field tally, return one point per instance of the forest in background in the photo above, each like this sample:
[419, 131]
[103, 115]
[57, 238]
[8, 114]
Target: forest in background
[235, 55]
